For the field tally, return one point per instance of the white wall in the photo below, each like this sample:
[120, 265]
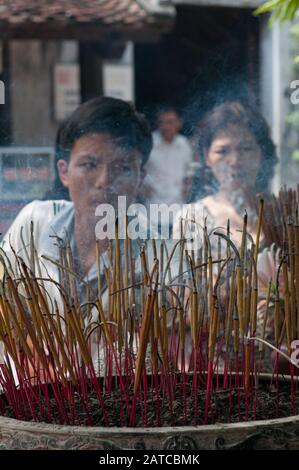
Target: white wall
[275, 78]
[31, 76]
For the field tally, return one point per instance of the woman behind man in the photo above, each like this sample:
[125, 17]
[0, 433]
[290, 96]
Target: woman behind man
[236, 149]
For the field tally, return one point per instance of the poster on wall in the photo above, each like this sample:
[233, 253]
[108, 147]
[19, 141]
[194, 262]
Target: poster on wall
[118, 81]
[67, 93]
[26, 172]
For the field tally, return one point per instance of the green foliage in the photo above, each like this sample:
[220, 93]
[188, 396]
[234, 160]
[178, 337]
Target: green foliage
[295, 155]
[293, 119]
[282, 10]
[294, 30]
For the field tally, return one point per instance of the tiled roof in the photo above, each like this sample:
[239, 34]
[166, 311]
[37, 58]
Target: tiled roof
[121, 14]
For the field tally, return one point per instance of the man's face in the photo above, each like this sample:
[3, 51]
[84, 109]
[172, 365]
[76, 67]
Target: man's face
[169, 125]
[98, 172]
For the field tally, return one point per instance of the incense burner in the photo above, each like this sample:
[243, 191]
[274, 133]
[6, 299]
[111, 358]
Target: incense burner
[273, 434]
[269, 434]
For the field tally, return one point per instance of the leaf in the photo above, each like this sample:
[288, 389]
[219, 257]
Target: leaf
[293, 118]
[294, 30]
[295, 155]
[292, 9]
[282, 10]
[267, 7]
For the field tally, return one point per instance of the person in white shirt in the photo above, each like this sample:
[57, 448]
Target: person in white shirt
[103, 147]
[170, 161]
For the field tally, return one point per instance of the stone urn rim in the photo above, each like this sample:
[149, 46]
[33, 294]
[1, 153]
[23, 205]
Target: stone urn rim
[37, 427]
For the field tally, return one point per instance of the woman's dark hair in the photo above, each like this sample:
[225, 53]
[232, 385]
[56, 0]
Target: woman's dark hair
[119, 119]
[246, 115]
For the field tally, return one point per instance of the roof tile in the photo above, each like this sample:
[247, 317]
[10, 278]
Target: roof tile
[73, 11]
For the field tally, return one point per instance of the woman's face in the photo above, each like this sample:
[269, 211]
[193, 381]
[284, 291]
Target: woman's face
[98, 172]
[234, 157]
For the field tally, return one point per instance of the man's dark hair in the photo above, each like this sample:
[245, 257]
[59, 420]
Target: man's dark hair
[167, 108]
[119, 119]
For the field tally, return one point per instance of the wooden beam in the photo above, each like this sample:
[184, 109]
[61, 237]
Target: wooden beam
[86, 32]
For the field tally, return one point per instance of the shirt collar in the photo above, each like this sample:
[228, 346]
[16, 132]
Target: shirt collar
[158, 139]
[61, 230]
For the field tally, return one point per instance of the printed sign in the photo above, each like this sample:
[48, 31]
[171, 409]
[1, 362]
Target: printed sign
[118, 81]
[67, 96]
